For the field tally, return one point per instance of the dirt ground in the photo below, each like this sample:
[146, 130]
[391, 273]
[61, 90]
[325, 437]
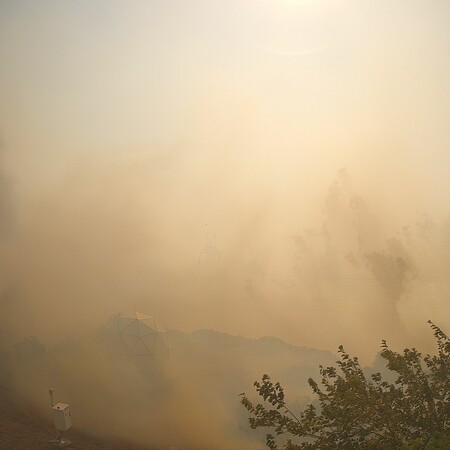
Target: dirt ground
[21, 428]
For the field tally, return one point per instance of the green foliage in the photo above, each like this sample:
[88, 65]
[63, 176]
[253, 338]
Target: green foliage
[360, 412]
[438, 441]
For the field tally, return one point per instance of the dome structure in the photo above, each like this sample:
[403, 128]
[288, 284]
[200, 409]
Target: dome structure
[138, 334]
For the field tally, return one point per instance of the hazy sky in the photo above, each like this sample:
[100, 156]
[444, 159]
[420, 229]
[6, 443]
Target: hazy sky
[127, 126]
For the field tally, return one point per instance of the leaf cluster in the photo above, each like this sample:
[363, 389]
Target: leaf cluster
[356, 411]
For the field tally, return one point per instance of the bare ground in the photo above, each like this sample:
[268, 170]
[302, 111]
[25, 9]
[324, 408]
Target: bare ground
[21, 428]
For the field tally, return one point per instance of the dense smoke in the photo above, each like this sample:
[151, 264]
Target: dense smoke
[278, 169]
[117, 235]
[94, 246]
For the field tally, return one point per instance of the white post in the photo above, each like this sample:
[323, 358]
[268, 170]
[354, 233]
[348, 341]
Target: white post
[51, 391]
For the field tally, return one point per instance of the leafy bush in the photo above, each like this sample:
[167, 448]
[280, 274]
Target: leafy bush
[360, 412]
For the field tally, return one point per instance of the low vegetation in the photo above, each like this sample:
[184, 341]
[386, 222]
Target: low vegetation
[359, 411]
